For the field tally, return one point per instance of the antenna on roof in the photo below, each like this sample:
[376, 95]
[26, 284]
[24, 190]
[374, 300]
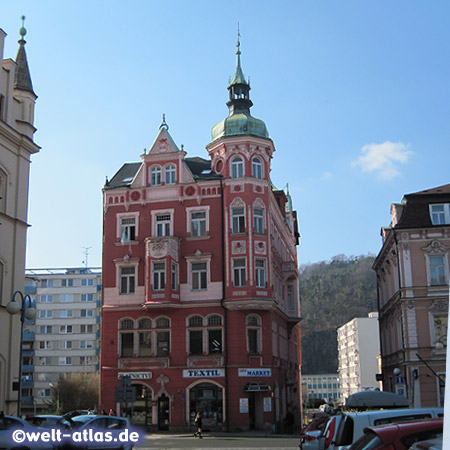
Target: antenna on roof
[86, 254]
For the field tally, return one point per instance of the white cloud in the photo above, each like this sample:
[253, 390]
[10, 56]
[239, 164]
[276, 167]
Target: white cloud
[327, 176]
[383, 158]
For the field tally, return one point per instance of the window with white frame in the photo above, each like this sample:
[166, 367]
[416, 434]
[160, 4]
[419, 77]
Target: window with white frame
[87, 297]
[440, 214]
[256, 168]
[260, 273]
[65, 313]
[174, 273]
[67, 282]
[237, 167]
[87, 282]
[198, 223]
[46, 283]
[45, 345]
[239, 272]
[86, 329]
[170, 174]
[65, 329]
[237, 220]
[214, 330]
[162, 224]
[159, 276]
[86, 313]
[253, 334]
[145, 337]
[46, 314]
[45, 329]
[258, 220]
[199, 275]
[66, 298]
[204, 332]
[126, 344]
[155, 176]
[65, 360]
[127, 229]
[65, 345]
[162, 336]
[437, 270]
[195, 332]
[85, 345]
[127, 280]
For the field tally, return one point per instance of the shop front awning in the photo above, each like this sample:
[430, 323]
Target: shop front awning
[257, 386]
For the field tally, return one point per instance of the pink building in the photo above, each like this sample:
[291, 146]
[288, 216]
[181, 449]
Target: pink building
[200, 282]
[413, 291]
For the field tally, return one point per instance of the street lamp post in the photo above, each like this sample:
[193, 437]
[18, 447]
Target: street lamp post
[26, 312]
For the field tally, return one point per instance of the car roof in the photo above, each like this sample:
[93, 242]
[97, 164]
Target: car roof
[392, 430]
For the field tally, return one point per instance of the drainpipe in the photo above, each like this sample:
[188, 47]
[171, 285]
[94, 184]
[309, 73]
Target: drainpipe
[225, 312]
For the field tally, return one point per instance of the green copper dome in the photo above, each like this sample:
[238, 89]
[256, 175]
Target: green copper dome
[239, 121]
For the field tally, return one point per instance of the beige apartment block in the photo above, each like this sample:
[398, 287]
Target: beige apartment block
[358, 350]
[67, 327]
[412, 276]
[17, 100]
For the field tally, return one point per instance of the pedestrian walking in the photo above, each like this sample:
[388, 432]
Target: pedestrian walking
[198, 424]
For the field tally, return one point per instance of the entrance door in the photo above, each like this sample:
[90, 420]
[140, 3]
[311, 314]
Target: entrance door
[163, 412]
[251, 410]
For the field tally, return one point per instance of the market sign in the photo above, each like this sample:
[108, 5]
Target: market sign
[255, 372]
[203, 373]
[136, 375]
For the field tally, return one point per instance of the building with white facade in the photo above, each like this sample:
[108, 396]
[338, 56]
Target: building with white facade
[67, 328]
[318, 387]
[17, 100]
[358, 350]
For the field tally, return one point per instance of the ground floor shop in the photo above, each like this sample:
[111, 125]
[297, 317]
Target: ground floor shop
[170, 398]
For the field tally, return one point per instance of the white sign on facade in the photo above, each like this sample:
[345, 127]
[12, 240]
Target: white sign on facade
[136, 375]
[255, 372]
[203, 373]
[243, 405]
[267, 404]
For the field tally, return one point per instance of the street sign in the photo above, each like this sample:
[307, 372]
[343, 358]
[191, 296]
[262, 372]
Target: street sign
[125, 394]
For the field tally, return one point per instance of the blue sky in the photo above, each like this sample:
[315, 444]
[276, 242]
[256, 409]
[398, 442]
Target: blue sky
[355, 95]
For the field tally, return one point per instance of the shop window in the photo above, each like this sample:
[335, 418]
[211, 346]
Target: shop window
[145, 343]
[195, 342]
[162, 343]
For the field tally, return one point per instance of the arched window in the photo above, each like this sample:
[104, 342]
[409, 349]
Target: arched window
[170, 174]
[237, 167]
[126, 324]
[162, 322]
[256, 168]
[145, 323]
[196, 321]
[254, 343]
[155, 176]
[214, 320]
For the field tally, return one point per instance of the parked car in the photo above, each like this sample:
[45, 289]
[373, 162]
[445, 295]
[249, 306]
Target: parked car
[328, 434]
[352, 425]
[75, 412]
[48, 421]
[429, 444]
[311, 433]
[100, 423]
[8, 424]
[399, 436]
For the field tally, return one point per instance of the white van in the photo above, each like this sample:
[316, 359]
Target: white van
[351, 426]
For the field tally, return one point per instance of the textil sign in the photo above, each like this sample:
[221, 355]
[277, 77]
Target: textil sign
[203, 373]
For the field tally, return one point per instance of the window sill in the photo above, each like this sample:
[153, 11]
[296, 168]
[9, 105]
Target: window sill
[123, 244]
[198, 238]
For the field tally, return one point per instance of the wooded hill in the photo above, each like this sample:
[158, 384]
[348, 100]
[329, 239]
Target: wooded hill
[331, 294]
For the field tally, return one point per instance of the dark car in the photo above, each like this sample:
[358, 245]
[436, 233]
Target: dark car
[399, 436]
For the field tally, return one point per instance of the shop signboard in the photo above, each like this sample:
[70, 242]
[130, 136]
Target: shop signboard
[255, 372]
[203, 373]
[136, 375]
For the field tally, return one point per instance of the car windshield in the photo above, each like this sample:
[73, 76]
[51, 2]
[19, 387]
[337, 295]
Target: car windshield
[368, 441]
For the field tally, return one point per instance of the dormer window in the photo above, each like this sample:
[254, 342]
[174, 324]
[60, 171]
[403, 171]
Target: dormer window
[155, 176]
[257, 168]
[440, 214]
[170, 174]
[237, 167]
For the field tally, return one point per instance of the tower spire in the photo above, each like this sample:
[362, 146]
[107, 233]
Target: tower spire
[22, 78]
